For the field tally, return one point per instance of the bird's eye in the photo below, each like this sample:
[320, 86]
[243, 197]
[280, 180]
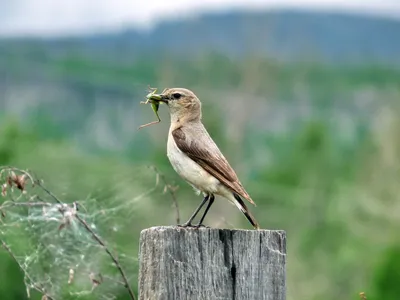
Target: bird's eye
[176, 95]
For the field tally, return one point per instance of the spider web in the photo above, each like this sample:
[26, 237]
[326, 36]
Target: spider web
[55, 243]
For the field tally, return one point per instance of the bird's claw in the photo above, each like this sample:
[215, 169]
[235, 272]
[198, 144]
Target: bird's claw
[184, 225]
[201, 226]
[187, 224]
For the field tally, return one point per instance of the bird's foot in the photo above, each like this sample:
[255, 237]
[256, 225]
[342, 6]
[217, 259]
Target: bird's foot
[201, 226]
[187, 224]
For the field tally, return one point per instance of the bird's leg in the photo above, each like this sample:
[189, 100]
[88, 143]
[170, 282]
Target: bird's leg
[210, 202]
[189, 222]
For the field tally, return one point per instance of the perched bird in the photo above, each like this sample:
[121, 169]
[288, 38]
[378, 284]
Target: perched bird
[195, 156]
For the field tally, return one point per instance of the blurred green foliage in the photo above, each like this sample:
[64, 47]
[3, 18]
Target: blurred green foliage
[387, 274]
[316, 146]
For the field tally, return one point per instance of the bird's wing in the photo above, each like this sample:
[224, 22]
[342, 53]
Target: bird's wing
[206, 153]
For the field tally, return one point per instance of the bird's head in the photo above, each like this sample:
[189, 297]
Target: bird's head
[183, 104]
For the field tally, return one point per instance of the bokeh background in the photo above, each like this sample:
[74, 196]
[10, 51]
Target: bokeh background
[303, 98]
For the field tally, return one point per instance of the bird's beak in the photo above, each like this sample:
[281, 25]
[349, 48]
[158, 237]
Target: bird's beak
[157, 97]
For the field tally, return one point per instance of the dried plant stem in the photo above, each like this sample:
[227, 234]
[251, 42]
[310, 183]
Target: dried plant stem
[14, 180]
[112, 256]
[26, 204]
[32, 283]
[171, 191]
[98, 240]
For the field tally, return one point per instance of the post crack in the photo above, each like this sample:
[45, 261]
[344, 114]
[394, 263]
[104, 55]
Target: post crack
[233, 268]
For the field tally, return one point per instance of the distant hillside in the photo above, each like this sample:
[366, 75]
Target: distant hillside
[282, 35]
[285, 35]
[88, 88]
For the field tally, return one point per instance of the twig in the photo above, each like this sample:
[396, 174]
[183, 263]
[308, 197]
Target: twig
[113, 258]
[171, 190]
[98, 239]
[63, 209]
[27, 204]
[26, 274]
[38, 183]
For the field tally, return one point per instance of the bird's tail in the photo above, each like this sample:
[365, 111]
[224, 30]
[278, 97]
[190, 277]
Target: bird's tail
[243, 208]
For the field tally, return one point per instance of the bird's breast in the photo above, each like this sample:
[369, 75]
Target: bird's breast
[189, 170]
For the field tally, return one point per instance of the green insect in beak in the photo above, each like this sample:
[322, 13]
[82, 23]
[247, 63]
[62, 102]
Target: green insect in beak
[154, 99]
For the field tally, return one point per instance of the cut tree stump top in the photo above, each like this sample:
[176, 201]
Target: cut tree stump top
[185, 263]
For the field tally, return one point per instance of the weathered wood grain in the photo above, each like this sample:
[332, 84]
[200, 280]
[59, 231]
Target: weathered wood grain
[179, 264]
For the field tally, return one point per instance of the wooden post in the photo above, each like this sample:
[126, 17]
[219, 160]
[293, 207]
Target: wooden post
[200, 264]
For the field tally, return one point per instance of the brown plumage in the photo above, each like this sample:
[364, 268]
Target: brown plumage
[203, 151]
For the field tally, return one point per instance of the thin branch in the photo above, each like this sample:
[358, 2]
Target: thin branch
[72, 213]
[113, 258]
[26, 204]
[98, 240]
[171, 190]
[38, 183]
[26, 274]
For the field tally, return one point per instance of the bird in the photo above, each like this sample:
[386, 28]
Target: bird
[197, 159]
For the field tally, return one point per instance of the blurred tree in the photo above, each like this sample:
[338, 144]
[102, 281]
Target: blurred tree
[387, 276]
[13, 140]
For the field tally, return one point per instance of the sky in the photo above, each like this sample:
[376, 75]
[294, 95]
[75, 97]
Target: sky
[75, 17]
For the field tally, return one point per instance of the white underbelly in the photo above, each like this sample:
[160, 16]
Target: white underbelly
[190, 170]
